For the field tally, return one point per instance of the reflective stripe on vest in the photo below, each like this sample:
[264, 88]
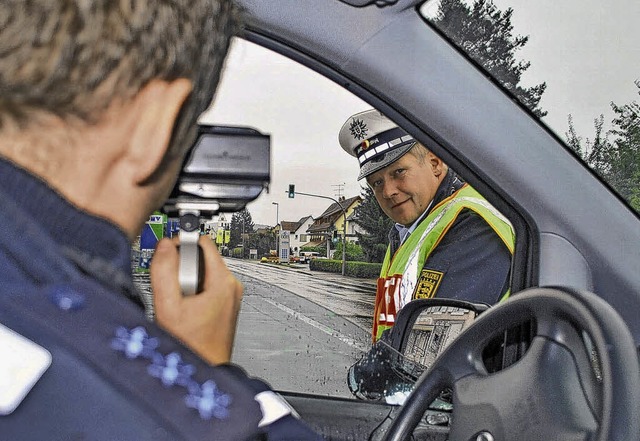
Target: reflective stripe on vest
[399, 275]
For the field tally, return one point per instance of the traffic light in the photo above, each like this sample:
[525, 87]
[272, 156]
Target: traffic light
[292, 190]
[334, 235]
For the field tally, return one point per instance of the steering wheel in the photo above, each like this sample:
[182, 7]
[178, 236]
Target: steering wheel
[557, 390]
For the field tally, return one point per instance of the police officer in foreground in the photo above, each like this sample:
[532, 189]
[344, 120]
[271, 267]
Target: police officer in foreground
[447, 241]
[99, 104]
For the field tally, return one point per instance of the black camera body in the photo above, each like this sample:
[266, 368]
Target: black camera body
[226, 168]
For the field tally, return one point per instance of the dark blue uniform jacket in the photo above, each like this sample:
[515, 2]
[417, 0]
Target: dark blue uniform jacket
[65, 284]
[474, 261]
[475, 265]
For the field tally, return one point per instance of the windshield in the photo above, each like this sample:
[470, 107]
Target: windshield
[580, 76]
[303, 324]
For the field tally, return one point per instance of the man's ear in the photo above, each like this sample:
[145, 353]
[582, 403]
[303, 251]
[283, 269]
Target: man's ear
[158, 105]
[436, 164]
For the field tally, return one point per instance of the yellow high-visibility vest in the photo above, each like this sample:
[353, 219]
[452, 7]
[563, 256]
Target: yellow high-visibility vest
[399, 274]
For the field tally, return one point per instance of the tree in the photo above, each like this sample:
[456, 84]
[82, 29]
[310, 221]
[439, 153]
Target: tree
[353, 252]
[614, 154]
[624, 158]
[594, 152]
[486, 34]
[376, 224]
[262, 241]
[241, 222]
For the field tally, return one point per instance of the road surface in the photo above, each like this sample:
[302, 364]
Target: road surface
[301, 330]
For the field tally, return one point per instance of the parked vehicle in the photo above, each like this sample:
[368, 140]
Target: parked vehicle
[306, 256]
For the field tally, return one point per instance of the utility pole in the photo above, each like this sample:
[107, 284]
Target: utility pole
[278, 233]
[344, 225]
[243, 238]
[338, 189]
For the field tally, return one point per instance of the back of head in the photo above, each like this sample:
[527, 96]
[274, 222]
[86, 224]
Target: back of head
[72, 58]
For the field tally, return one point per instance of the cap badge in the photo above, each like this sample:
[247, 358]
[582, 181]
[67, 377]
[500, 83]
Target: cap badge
[358, 129]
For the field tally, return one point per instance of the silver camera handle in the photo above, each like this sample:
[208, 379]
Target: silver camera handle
[189, 270]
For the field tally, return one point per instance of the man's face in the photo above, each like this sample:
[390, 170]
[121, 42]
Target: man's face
[405, 188]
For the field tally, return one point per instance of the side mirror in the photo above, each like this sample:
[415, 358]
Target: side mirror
[423, 329]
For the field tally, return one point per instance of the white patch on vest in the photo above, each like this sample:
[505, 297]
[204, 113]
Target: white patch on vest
[387, 298]
[273, 407]
[22, 363]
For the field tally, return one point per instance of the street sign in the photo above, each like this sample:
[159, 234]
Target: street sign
[283, 252]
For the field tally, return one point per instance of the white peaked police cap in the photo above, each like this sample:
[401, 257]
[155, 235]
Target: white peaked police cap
[375, 140]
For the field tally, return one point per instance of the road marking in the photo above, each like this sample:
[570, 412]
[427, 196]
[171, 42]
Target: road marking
[324, 328]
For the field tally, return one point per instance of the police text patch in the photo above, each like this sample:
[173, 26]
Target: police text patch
[428, 284]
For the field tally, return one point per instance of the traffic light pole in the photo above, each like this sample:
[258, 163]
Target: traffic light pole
[344, 224]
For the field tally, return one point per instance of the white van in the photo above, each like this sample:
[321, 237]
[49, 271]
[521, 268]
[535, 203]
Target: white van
[306, 256]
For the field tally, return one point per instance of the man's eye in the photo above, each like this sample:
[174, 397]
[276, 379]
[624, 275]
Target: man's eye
[376, 184]
[399, 172]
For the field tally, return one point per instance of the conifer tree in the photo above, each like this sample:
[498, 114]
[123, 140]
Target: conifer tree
[240, 222]
[614, 154]
[376, 224]
[485, 33]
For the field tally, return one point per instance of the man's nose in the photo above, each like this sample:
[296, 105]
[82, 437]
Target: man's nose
[389, 189]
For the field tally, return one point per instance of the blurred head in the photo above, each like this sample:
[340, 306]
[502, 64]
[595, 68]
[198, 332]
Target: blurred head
[72, 58]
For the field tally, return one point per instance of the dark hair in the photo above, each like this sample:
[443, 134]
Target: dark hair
[72, 58]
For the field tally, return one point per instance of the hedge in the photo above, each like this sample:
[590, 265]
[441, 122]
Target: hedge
[363, 270]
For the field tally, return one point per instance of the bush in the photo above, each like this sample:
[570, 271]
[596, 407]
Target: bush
[353, 252]
[363, 270]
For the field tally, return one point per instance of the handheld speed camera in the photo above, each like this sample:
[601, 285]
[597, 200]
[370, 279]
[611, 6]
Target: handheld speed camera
[226, 168]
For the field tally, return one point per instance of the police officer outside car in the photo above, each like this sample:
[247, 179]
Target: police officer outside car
[447, 241]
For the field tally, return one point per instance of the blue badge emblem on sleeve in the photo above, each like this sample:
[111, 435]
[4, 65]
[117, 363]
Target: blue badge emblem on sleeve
[207, 399]
[171, 370]
[135, 343]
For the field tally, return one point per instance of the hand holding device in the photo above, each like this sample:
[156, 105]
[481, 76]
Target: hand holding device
[206, 322]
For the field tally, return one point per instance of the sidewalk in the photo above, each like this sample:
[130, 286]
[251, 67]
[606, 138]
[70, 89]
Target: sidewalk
[368, 284]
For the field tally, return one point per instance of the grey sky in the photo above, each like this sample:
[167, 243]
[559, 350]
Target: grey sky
[303, 112]
[586, 50]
